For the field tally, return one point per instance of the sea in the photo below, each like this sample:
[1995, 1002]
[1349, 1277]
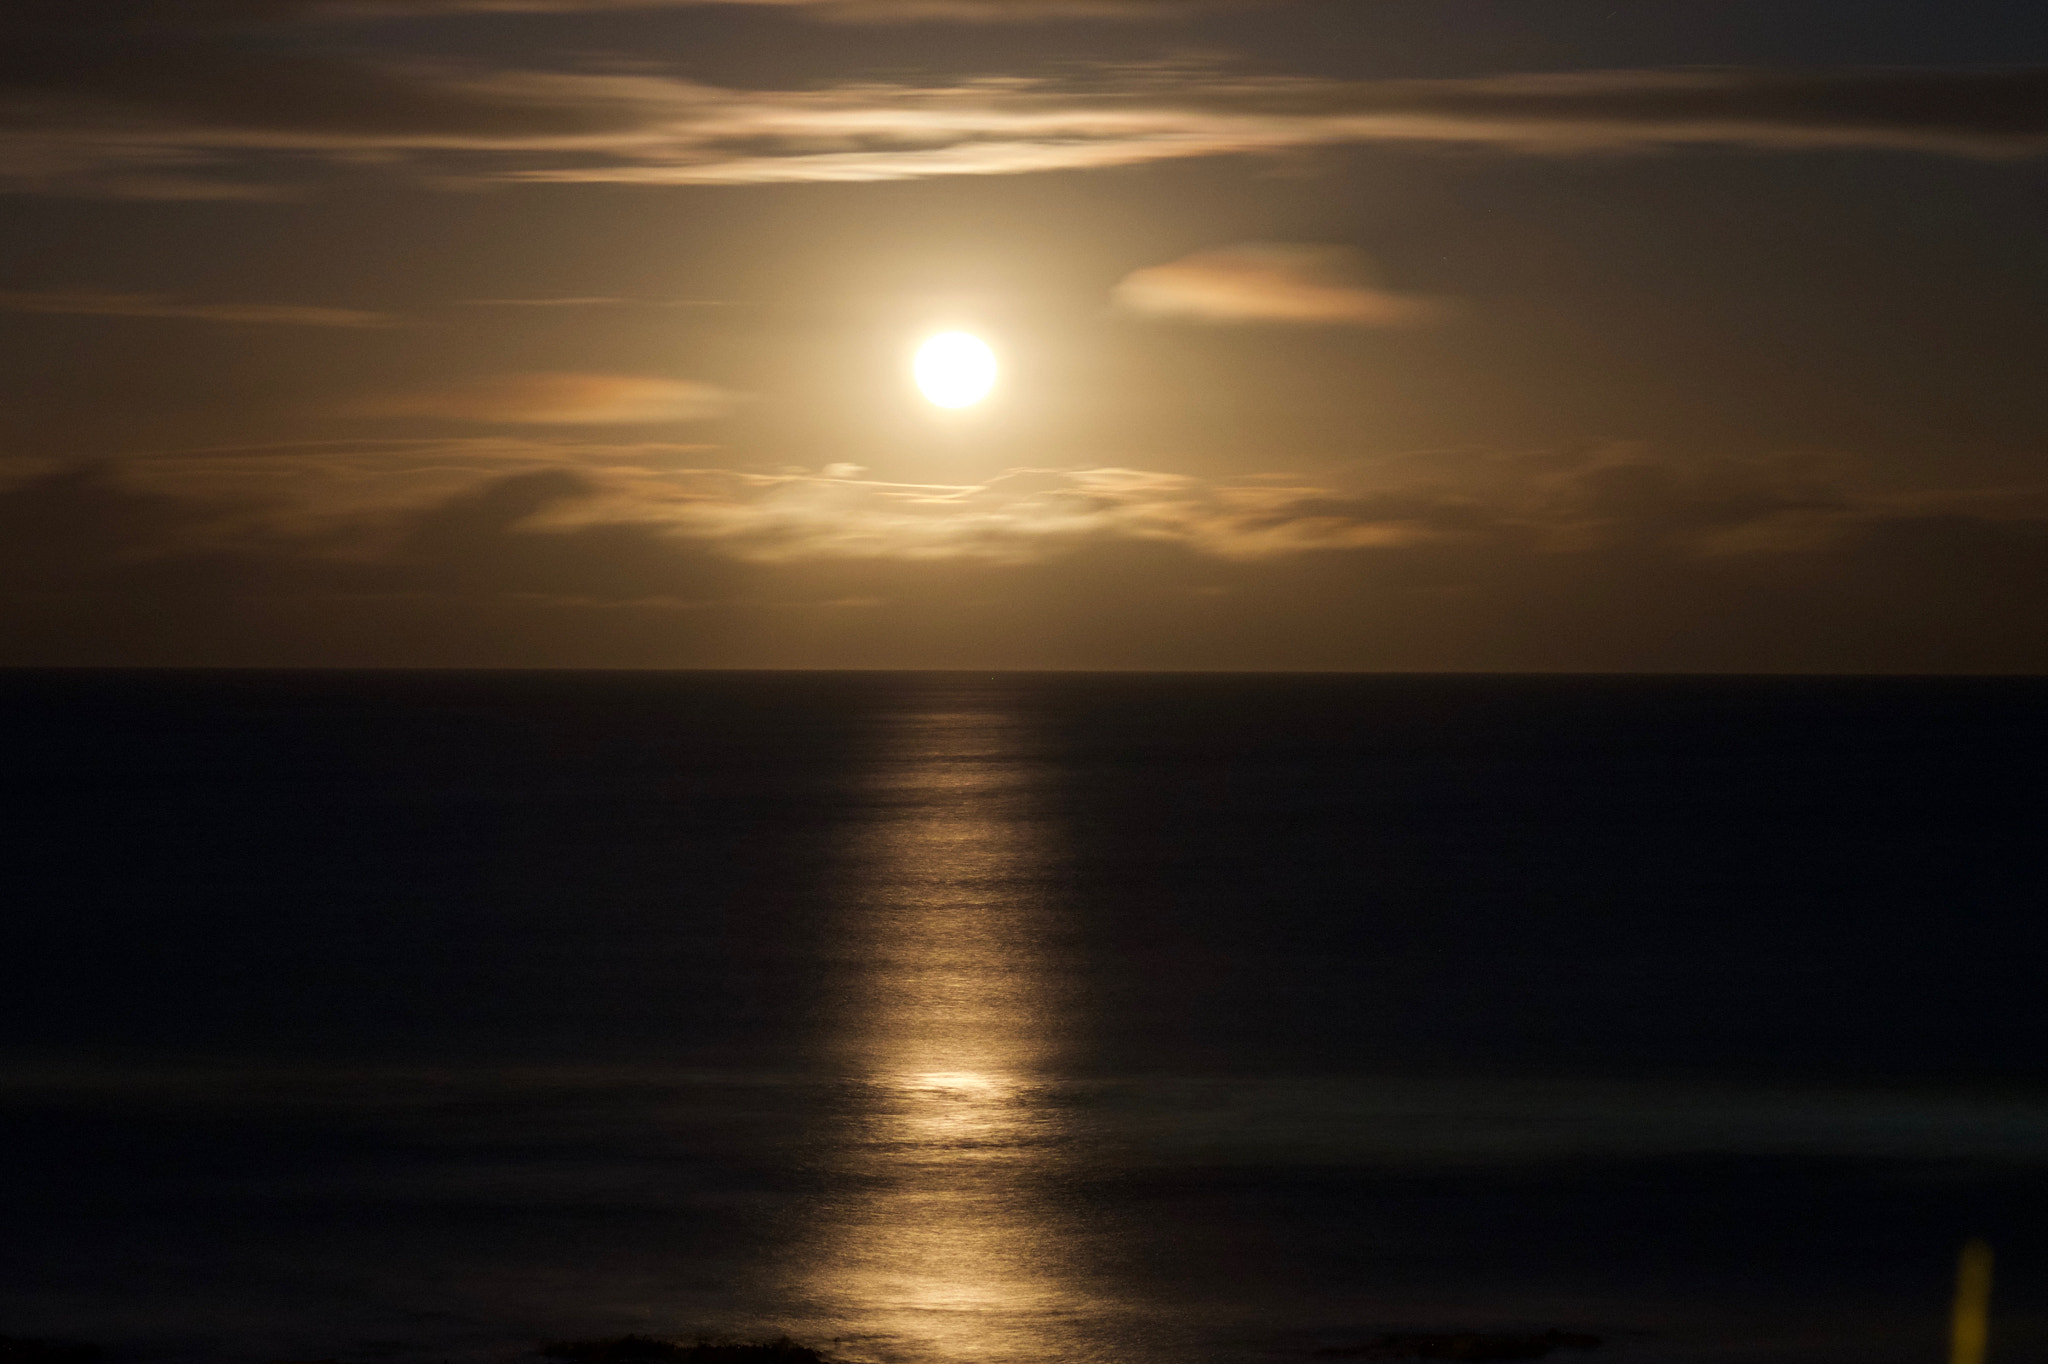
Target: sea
[1015, 1018]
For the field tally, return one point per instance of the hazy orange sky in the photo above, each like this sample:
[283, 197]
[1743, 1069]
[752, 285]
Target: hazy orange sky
[1379, 334]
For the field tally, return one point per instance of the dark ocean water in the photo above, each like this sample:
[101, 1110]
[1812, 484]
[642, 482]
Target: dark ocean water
[994, 1019]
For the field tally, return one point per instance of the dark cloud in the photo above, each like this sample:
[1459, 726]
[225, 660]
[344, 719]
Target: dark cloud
[485, 542]
[69, 527]
[1610, 558]
[97, 571]
[1992, 104]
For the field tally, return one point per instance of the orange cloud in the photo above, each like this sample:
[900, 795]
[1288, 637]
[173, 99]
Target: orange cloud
[1271, 282]
[555, 399]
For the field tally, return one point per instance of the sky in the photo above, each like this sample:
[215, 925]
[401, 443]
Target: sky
[1432, 335]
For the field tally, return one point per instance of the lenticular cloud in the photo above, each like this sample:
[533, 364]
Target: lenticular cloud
[1270, 282]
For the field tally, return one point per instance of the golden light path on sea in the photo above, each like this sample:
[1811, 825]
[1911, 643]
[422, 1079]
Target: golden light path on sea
[956, 1245]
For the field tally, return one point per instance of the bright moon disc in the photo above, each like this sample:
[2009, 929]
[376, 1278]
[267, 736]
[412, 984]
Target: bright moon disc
[954, 369]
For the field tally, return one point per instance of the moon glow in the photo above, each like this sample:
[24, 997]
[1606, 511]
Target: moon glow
[955, 369]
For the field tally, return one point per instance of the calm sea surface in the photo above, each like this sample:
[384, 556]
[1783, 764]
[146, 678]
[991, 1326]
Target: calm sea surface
[1012, 1019]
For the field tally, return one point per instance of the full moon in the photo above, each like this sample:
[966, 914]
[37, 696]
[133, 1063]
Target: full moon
[955, 370]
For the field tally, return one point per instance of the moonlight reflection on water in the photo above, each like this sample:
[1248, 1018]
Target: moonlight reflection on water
[955, 1243]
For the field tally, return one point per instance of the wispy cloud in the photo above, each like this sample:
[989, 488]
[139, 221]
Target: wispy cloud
[1279, 282]
[189, 12]
[1575, 559]
[842, 11]
[1547, 503]
[93, 303]
[586, 301]
[1543, 503]
[238, 13]
[89, 123]
[598, 301]
[557, 399]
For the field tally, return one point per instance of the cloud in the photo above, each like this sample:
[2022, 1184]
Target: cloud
[997, 11]
[570, 301]
[1552, 504]
[1270, 282]
[507, 552]
[189, 13]
[553, 399]
[1545, 503]
[839, 11]
[92, 117]
[93, 303]
[599, 301]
